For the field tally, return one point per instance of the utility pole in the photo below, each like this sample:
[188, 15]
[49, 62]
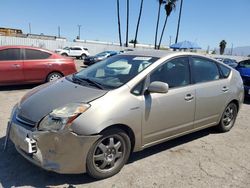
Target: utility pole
[79, 31]
[29, 28]
[59, 31]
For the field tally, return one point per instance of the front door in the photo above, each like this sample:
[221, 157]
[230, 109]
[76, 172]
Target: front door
[172, 113]
[11, 66]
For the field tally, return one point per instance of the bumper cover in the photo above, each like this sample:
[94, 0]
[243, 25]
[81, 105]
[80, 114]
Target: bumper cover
[62, 152]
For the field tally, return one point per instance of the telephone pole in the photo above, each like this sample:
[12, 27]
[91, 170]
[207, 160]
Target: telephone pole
[79, 31]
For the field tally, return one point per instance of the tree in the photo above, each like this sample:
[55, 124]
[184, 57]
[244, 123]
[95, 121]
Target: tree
[119, 23]
[179, 22]
[223, 44]
[248, 55]
[126, 44]
[138, 23]
[169, 7]
[158, 19]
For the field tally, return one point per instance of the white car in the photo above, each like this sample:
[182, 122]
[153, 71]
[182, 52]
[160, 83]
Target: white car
[75, 51]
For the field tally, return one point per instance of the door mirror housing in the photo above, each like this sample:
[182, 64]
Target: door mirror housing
[158, 87]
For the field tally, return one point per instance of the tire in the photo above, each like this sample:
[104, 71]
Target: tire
[109, 154]
[64, 54]
[53, 76]
[83, 56]
[228, 118]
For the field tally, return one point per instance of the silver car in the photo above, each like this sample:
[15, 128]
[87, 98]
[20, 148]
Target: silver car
[91, 121]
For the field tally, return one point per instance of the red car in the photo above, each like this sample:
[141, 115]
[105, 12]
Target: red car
[23, 65]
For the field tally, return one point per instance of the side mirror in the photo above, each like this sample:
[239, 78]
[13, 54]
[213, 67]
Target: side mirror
[158, 87]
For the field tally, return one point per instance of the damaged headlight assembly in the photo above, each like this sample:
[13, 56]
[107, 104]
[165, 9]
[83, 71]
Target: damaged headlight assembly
[62, 116]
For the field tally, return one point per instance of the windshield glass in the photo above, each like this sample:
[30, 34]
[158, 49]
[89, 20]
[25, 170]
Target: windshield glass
[66, 48]
[102, 54]
[115, 71]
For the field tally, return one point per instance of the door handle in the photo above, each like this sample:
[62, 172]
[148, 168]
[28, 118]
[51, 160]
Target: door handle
[189, 97]
[16, 66]
[225, 89]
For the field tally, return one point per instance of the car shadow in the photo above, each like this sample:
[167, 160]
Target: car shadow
[17, 87]
[17, 171]
[247, 100]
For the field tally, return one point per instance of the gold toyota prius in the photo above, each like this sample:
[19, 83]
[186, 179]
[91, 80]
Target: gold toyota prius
[92, 120]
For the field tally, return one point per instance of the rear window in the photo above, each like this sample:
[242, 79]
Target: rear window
[224, 70]
[10, 54]
[36, 54]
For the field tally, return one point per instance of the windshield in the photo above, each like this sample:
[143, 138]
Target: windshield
[115, 71]
[66, 48]
[102, 54]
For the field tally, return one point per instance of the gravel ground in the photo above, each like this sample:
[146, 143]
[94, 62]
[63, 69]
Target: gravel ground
[201, 159]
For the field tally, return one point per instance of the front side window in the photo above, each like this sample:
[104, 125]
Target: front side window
[204, 70]
[115, 71]
[174, 72]
[35, 54]
[10, 54]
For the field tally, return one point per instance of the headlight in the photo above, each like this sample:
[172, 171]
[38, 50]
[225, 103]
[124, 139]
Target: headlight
[62, 116]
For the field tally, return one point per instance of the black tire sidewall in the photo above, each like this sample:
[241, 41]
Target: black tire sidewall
[89, 162]
[221, 126]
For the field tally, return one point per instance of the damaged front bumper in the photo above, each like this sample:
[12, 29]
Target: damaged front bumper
[62, 152]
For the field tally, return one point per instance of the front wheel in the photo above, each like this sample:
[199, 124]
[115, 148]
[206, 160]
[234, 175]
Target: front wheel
[83, 56]
[109, 154]
[228, 118]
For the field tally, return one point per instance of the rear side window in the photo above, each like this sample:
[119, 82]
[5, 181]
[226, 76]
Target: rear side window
[204, 70]
[224, 70]
[36, 54]
[10, 54]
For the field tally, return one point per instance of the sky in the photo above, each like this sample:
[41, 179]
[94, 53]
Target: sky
[206, 22]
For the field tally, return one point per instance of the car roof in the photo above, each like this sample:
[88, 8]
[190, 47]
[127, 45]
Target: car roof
[25, 47]
[153, 53]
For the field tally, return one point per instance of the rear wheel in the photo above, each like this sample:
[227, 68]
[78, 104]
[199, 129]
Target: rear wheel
[109, 154]
[53, 76]
[228, 118]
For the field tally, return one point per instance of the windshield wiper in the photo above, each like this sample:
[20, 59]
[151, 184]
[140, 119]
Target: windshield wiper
[93, 83]
[83, 81]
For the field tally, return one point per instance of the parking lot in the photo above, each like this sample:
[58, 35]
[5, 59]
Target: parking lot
[202, 159]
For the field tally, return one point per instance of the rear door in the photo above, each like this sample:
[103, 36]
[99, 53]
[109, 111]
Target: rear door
[11, 66]
[36, 65]
[212, 91]
[171, 113]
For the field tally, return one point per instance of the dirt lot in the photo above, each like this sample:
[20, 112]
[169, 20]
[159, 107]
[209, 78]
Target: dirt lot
[202, 159]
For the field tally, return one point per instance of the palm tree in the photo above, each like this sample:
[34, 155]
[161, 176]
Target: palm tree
[127, 23]
[179, 21]
[138, 23]
[158, 19]
[223, 44]
[169, 7]
[119, 23]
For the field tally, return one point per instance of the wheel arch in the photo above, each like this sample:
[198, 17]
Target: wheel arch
[236, 102]
[126, 129]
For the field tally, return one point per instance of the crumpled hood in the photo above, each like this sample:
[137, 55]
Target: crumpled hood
[42, 100]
